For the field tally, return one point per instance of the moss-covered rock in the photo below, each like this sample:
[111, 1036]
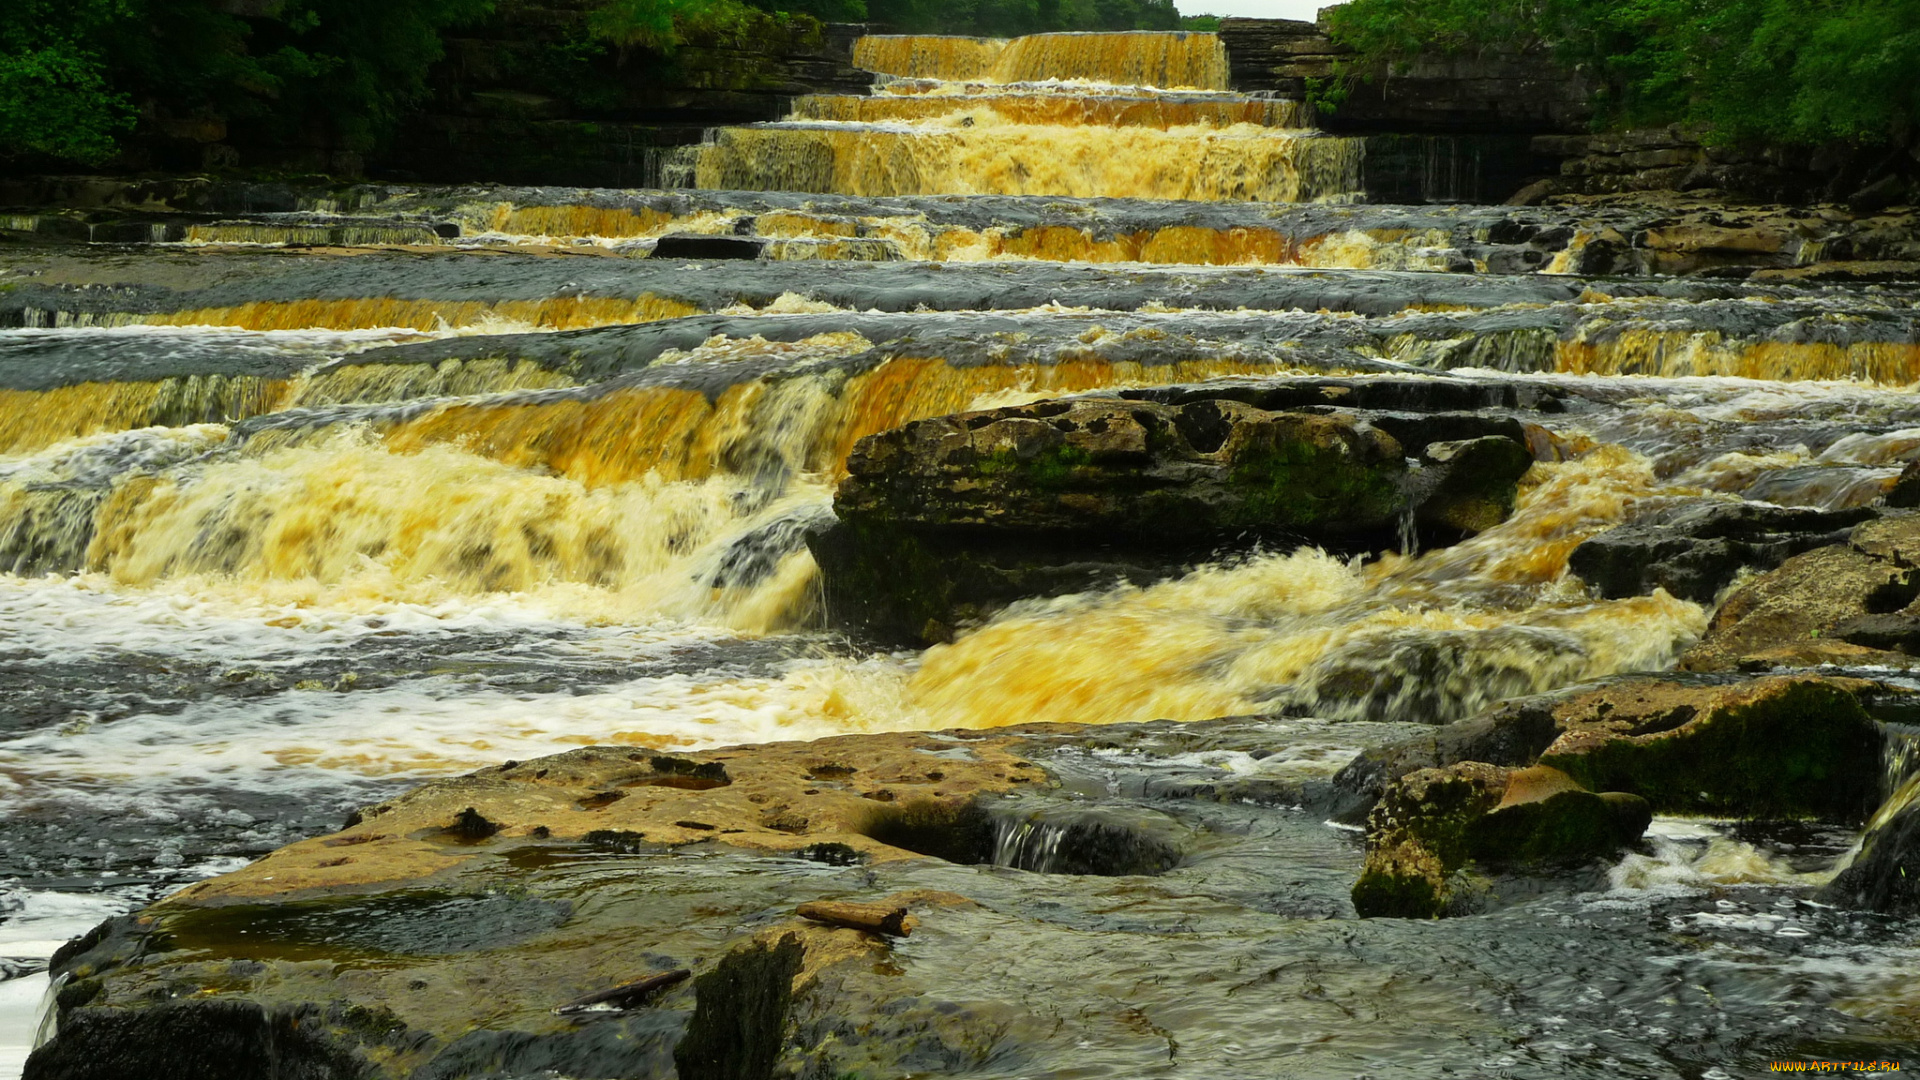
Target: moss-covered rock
[740, 1013]
[1884, 875]
[1772, 747]
[1160, 473]
[1687, 743]
[1434, 823]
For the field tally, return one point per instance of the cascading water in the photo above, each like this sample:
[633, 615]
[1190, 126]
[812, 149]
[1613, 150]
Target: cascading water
[1119, 115]
[285, 532]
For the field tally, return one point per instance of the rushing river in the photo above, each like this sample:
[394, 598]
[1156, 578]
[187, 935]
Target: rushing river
[290, 529]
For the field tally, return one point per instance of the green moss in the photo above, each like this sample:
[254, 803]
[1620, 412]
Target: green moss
[1442, 822]
[1299, 484]
[740, 1012]
[366, 930]
[1380, 894]
[78, 993]
[1571, 827]
[1051, 469]
[1808, 750]
[956, 832]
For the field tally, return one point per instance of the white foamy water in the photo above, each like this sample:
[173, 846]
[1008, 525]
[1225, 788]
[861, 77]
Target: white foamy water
[34, 923]
[161, 785]
[426, 723]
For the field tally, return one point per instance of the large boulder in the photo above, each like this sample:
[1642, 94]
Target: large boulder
[945, 520]
[1781, 746]
[1159, 473]
[1803, 745]
[1433, 823]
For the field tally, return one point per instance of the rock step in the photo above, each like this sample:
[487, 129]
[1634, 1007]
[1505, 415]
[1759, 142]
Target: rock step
[944, 520]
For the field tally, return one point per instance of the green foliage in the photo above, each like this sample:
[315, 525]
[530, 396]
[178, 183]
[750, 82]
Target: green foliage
[1788, 71]
[1009, 18]
[56, 99]
[824, 10]
[1200, 24]
[357, 64]
[74, 72]
[661, 25]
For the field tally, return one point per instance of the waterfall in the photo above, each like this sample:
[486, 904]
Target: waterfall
[1089, 841]
[1126, 115]
[1901, 758]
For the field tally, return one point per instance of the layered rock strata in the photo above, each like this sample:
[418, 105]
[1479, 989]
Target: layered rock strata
[945, 520]
[1849, 604]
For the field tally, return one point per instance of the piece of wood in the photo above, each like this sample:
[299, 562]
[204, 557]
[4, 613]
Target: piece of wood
[625, 996]
[873, 918]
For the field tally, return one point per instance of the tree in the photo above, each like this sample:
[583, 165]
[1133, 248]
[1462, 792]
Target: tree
[56, 96]
[1787, 71]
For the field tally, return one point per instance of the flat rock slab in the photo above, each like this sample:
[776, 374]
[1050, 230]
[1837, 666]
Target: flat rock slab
[450, 967]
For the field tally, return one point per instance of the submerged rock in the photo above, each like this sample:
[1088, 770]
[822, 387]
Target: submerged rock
[943, 521]
[1433, 823]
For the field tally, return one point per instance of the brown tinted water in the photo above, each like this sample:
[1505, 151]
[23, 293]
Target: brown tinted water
[288, 531]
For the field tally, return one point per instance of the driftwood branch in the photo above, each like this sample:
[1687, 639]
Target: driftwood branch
[873, 918]
[625, 996]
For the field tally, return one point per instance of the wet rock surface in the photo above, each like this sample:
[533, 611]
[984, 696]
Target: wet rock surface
[444, 955]
[1432, 823]
[1201, 470]
[1777, 746]
[357, 487]
[1884, 873]
[1694, 548]
[102, 286]
[1576, 776]
[1849, 603]
[1642, 234]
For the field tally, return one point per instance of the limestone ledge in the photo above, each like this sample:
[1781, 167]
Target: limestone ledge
[778, 797]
